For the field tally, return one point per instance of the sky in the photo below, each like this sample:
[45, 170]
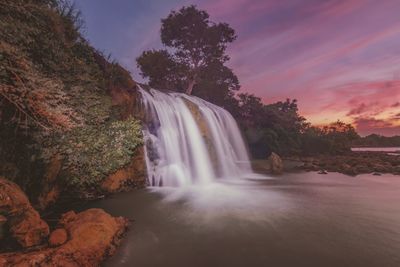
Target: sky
[339, 58]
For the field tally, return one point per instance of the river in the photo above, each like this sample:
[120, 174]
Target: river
[298, 219]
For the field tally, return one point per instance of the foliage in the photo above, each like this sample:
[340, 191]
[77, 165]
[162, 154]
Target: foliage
[163, 71]
[335, 138]
[37, 100]
[91, 153]
[42, 56]
[270, 128]
[375, 140]
[195, 61]
[279, 128]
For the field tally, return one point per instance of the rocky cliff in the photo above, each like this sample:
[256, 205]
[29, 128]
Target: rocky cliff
[66, 111]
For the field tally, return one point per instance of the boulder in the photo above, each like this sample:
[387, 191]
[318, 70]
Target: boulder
[92, 235]
[310, 167]
[58, 237]
[363, 168]
[24, 222]
[131, 176]
[275, 163]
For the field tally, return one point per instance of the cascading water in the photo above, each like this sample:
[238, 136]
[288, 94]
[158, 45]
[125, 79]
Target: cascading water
[190, 141]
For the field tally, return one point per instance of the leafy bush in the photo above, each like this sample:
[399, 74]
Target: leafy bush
[91, 153]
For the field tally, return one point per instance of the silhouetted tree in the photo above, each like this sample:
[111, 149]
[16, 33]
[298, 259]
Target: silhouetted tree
[194, 61]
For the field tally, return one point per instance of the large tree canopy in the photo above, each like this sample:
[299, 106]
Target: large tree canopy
[195, 56]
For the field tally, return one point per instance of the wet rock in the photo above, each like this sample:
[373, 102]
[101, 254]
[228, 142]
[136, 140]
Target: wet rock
[131, 176]
[380, 168]
[204, 131]
[93, 235]
[344, 168]
[310, 167]
[58, 237]
[275, 163]
[25, 224]
[354, 163]
[361, 168]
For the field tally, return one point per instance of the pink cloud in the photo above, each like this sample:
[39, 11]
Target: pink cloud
[366, 126]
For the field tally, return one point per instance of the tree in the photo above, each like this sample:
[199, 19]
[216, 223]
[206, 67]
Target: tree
[195, 56]
[270, 128]
[335, 138]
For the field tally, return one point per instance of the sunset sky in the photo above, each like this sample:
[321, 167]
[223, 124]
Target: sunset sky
[339, 58]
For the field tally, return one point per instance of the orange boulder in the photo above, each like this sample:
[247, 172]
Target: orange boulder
[24, 222]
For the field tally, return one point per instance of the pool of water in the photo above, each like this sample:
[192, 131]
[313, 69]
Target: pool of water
[299, 219]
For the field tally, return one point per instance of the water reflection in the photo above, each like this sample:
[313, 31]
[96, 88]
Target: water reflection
[295, 220]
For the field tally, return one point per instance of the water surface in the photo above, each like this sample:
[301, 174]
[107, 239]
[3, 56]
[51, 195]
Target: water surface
[376, 149]
[302, 219]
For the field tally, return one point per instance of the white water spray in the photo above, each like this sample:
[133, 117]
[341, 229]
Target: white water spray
[190, 141]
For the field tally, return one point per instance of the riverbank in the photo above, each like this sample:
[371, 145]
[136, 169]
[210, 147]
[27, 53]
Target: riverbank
[351, 164]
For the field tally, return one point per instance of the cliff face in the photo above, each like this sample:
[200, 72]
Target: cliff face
[65, 110]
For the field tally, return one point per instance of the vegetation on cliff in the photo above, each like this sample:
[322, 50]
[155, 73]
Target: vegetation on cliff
[55, 97]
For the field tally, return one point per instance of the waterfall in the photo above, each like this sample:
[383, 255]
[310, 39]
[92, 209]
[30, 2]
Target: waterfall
[190, 141]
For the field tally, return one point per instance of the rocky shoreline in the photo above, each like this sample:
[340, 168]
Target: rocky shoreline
[351, 164]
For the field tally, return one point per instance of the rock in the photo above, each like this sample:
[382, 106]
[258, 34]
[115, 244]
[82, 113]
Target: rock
[126, 100]
[361, 168]
[310, 167]
[380, 168]
[377, 174]
[354, 163]
[204, 130]
[58, 237]
[275, 163]
[24, 222]
[93, 235]
[322, 172]
[131, 176]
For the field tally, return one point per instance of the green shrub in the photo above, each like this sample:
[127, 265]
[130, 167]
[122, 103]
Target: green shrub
[93, 152]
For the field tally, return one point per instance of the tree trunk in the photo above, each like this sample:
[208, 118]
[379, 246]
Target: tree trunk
[190, 86]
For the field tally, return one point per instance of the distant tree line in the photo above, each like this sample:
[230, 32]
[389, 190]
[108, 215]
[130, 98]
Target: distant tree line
[375, 140]
[279, 128]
